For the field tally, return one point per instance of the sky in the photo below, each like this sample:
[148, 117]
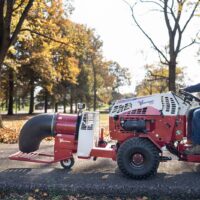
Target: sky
[124, 43]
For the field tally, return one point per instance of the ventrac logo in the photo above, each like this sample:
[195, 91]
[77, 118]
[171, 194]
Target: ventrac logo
[142, 102]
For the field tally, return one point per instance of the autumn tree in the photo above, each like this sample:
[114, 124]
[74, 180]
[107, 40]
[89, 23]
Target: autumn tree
[177, 15]
[9, 28]
[34, 45]
[156, 80]
[62, 58]
[121, 76]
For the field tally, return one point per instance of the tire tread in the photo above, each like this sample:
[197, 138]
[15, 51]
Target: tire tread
[139, 142]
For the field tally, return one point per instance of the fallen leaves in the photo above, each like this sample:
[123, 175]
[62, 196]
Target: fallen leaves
[104, 177]
[8, 135]
[12, 126]
[142, 198]
[31, 198]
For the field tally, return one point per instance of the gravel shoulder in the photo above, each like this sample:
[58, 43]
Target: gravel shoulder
[175, 179]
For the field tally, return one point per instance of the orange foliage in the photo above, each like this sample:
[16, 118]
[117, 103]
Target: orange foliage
[12, 125]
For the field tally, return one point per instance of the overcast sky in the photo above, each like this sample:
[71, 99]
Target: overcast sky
[124, 43]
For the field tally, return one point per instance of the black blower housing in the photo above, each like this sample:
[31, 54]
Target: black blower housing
[134, 125]
[34, 131]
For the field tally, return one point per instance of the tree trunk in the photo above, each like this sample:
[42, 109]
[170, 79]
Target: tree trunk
[95, 97]
[19, 103]
[76, 108]
[65, 105]
[23, 103]
[6, 103]
[31, 103]
[11, 91]
[2, 57]
[2, 106]
[1, 122]
[5, 33]
[71, 100]
[94, 88]
[46, 101]
[56, 107]
[172, 76]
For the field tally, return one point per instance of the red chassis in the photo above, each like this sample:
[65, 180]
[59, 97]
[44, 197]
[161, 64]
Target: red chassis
[65, 144]
[64, 148]
[161, 131]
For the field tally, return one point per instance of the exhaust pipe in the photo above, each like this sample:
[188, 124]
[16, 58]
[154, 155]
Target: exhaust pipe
[35, 130]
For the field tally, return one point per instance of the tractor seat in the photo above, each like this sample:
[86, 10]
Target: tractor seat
[189, 125]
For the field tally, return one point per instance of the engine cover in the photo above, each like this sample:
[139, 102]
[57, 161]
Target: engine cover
[134, 125]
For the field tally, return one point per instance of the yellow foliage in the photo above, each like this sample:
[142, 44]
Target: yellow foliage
[156, 80]
[180, 7]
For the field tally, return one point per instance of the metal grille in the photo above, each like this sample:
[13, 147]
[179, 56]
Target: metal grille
[121, 108]
[141, 111]
[173, 104]
[168, 104]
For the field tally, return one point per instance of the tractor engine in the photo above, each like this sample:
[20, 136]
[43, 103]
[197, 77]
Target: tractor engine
[152, 116]
[133, 125]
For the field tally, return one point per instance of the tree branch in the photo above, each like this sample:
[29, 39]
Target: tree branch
[148, 37]
[19, 5]
[179, 42]
[45, 36]
[21, 20]
[177, 19]
[153, 2]
[167, 18]
[191, 43]
[154, 75]
[158, 79]
[181, 31]
[191, 16]
[172, 5]
[7, 20]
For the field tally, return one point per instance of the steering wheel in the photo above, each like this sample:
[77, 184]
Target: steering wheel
[188, 97]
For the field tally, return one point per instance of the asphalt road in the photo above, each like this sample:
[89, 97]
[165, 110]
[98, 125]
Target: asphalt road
[102, 177]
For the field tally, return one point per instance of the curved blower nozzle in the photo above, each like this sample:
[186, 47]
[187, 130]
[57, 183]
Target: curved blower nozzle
[35, 130]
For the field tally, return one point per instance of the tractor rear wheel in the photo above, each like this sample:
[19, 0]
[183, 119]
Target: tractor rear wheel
[138, 158]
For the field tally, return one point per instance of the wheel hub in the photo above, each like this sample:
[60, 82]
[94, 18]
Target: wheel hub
[137, 159]
[67, 162]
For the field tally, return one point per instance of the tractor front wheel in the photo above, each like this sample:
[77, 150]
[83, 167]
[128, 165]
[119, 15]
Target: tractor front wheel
[138, 158]
[68, 163]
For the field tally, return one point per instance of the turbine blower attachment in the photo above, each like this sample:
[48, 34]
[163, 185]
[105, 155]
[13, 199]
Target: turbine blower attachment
[35, 130]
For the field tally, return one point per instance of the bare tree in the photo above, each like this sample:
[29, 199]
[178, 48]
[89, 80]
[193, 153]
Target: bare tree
[173, 12]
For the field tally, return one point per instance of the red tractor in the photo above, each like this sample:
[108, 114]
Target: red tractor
[141, 127]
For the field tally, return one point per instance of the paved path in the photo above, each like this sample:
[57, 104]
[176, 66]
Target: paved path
[174, 178]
